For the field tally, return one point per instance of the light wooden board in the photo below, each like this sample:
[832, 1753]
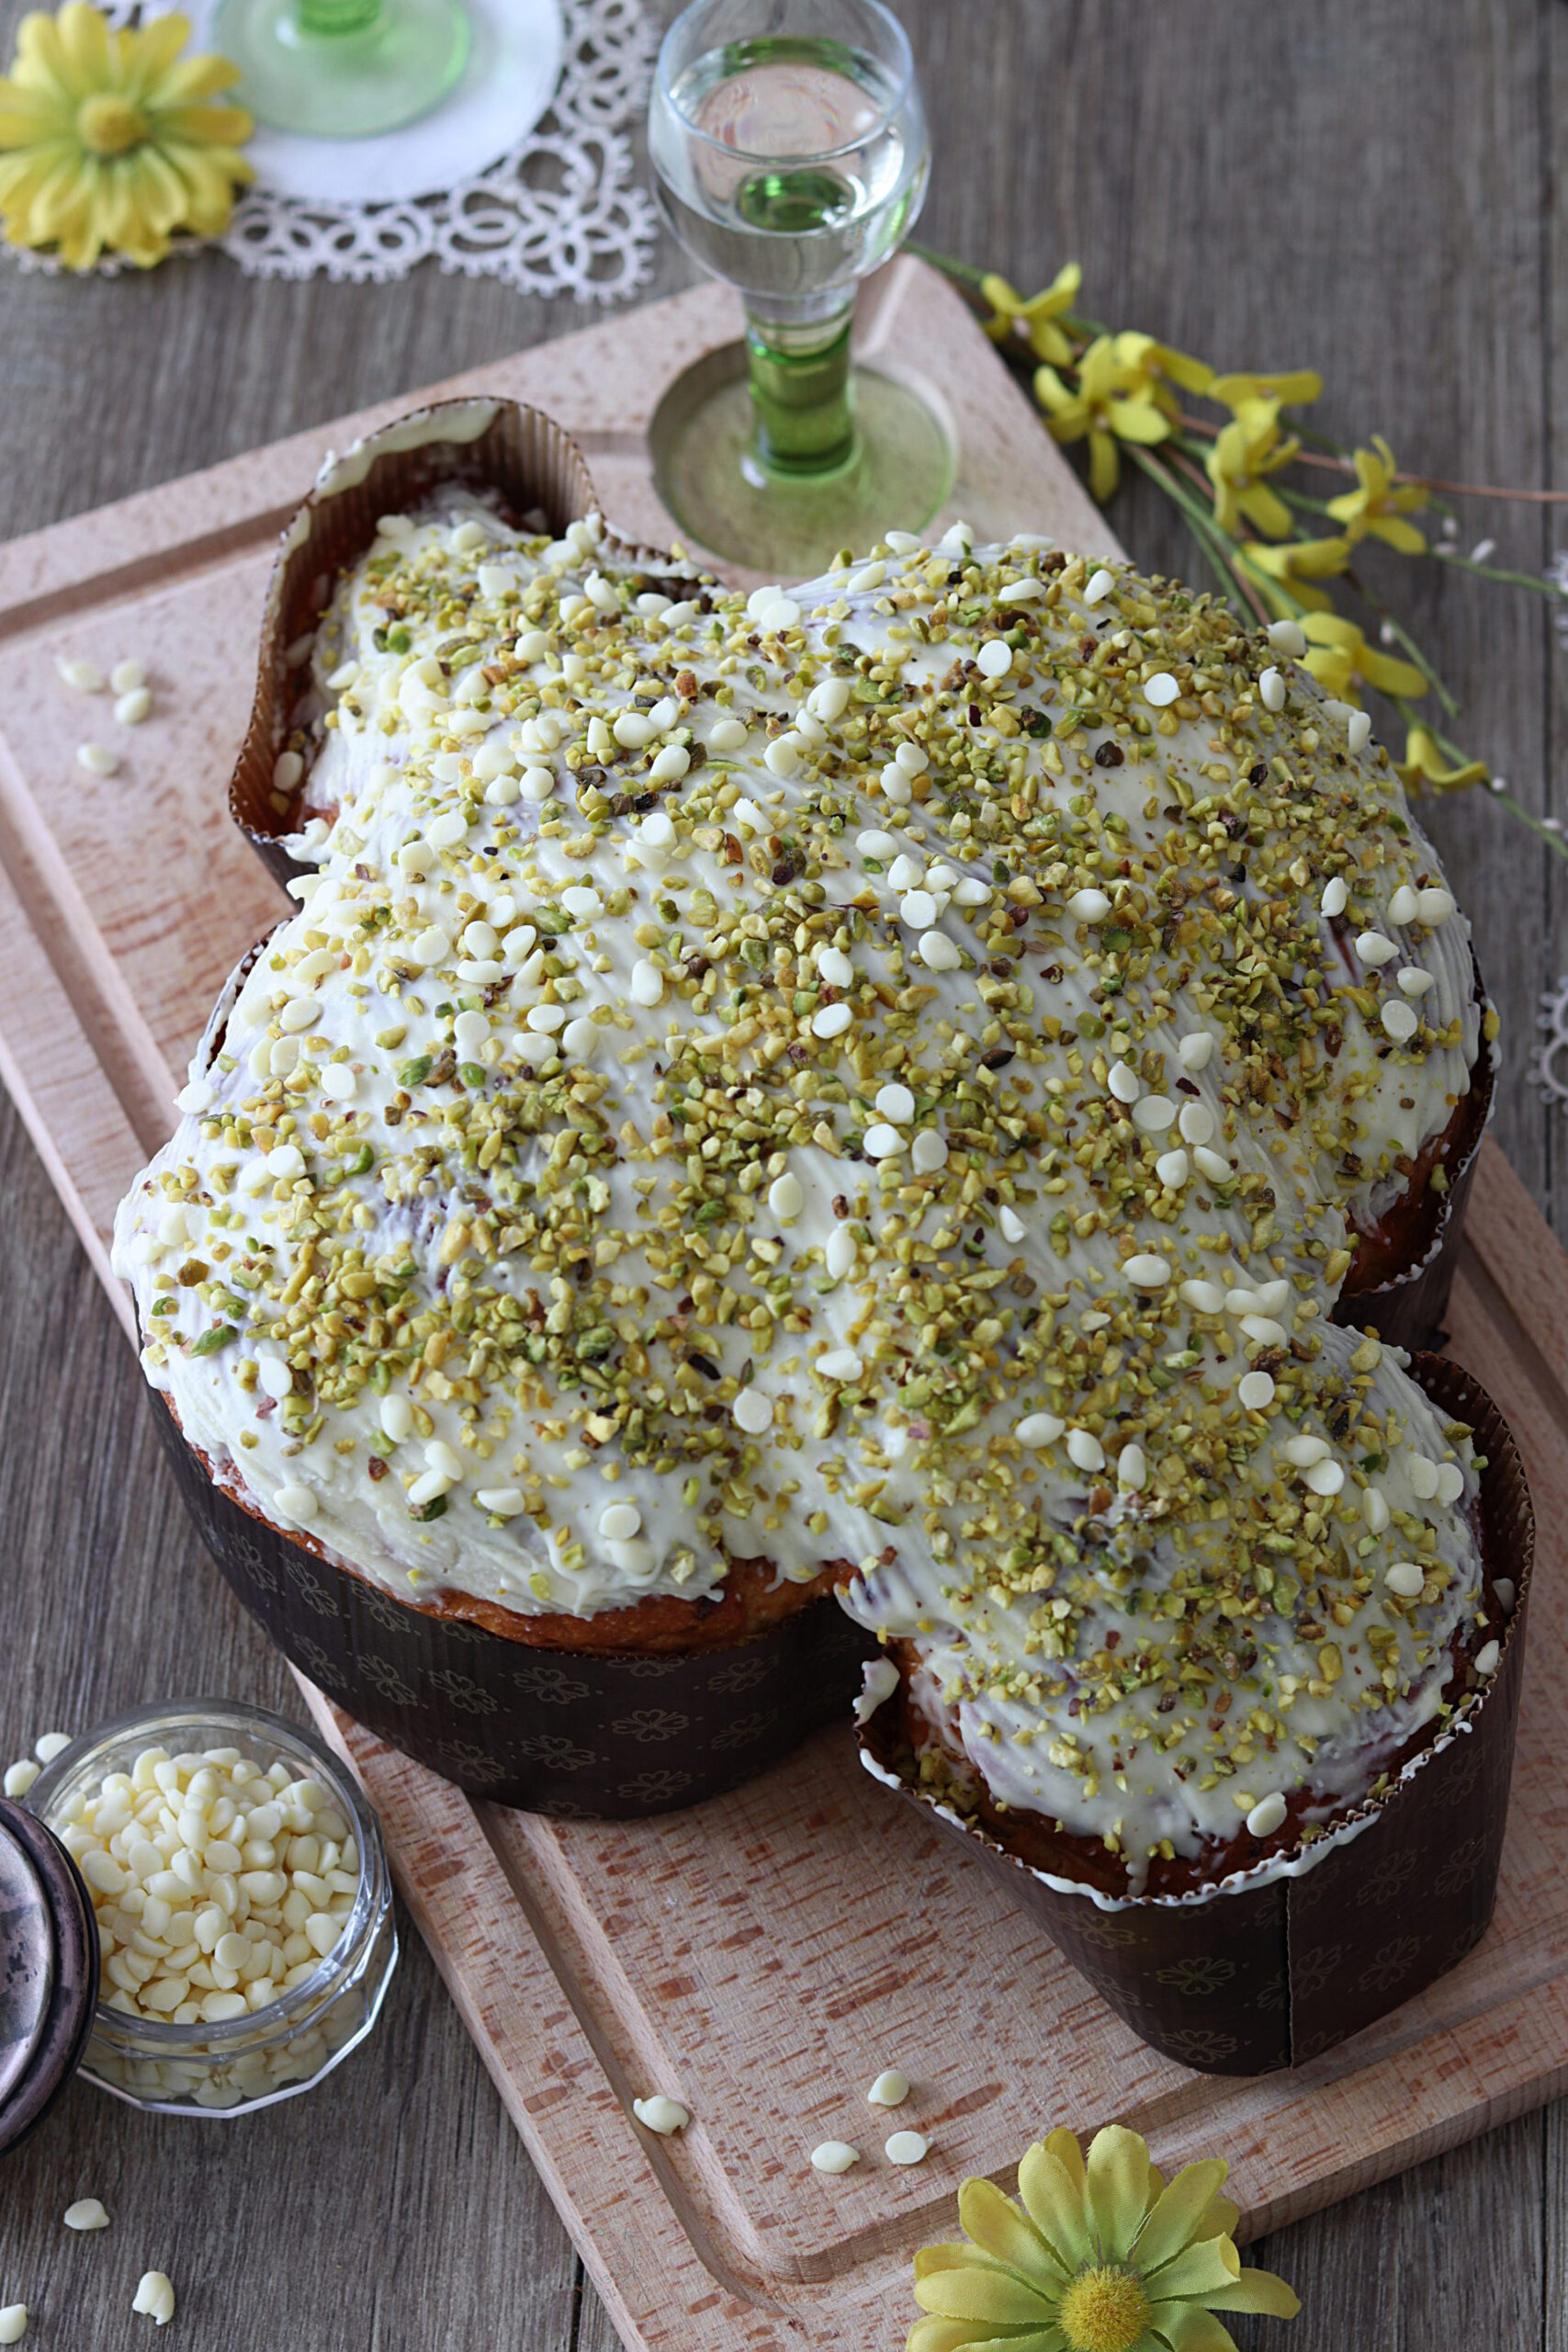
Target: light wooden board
[763, 1957]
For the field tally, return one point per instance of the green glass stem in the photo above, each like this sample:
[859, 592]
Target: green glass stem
[331, 19]
[800, 396]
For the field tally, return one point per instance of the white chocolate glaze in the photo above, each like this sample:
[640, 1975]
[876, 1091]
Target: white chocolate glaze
[758, 1081]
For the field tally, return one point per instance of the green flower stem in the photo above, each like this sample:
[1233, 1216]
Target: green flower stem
[949, 264]
[1406, 644]
[1554, 841]
[1495, 571]
[1200, 520]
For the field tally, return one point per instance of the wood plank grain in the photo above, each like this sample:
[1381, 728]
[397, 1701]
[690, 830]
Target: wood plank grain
[1363, 185]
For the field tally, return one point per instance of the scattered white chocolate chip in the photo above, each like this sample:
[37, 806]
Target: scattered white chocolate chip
[661, 2114]
[154, 2297]
[834, 2156]
[21, 1776]
[1288, 637]
[1161, 690]
[906, 2148]
[50, 1744]
[1488, 1657]
[1406, 1579]
[97, 759]
[1266, 1816]
[131, 708]
[753, 1412]
[127, 676]
[13, 2322]
[86, 2214]
[891, 2088]
[1089, 906]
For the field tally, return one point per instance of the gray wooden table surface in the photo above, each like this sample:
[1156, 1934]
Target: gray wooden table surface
[1366, 185]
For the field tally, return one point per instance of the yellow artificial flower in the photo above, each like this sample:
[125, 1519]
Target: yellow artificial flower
[1247, 449]
[1380, 504]
[1423, 768]
[1039, 314]
[1343, 662]
[1295, 385]
[1103, 2257]
[108, 142]
[1124, 394]
[1294, 567]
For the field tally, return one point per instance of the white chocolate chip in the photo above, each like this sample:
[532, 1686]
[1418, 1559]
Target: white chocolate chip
[891, 2088]
[1266, 1815]
[753, 1412]
[834, 2156]
[659, 2114]
[906, 2148]
[154, 2297]
[86, 2214]
[13, 2322]
[1288, 637]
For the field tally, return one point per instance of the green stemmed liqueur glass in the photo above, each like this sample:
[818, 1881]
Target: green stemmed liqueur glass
[789, 153]
[342, 69]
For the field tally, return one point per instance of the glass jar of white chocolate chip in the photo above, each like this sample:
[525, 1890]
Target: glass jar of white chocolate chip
[243, 1900]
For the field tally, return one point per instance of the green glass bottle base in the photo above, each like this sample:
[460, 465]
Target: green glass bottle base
[368, 77]
[705, 471]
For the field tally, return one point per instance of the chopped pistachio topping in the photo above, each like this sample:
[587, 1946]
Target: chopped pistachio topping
[773, 1079]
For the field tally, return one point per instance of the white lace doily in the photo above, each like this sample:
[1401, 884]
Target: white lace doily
[556, 213]
[1549, 1060]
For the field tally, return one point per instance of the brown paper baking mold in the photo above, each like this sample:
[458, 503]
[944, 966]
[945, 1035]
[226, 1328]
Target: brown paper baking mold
[1409, 1311]
[577, 1733]
[497, 447]
[1244, 1979]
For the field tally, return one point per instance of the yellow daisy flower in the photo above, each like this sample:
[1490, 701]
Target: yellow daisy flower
[1038, 315]
[1294, 384]
[1124, 394]
[108, 142]
[1343, 662]
[1104, 2256]
[1294, 567]
[1247, 449]
[1380, 504]
[1423, 768]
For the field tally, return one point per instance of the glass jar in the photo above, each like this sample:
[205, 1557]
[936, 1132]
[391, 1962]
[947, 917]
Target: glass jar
[289, 2043]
